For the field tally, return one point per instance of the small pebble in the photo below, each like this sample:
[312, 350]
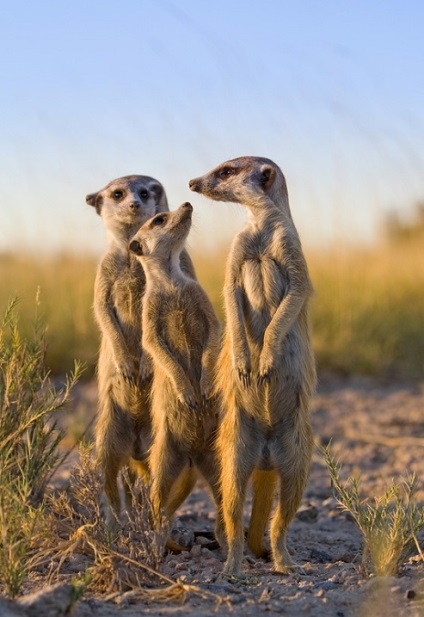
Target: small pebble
[196, 550]
[202, 540]
[307, 514]
[325, 585]
[320, 556]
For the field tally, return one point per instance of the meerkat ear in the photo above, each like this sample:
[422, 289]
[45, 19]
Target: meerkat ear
[160, 197]
[267, 177]
[135, 247]
[95, 200]
[157, 190]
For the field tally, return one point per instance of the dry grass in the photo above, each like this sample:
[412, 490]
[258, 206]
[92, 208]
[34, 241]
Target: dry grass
[129, 560]
[124, 565]
[29, 442]
[63, 286]
[367, 313]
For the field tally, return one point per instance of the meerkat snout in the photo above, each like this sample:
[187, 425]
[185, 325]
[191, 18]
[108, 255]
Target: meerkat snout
[187, 206]
[135, 247]
[194, 184]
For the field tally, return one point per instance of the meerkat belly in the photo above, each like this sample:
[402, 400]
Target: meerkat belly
[267, 455]
[190, 430]
[265, 459]
[185, 338]
[127, 300]
[265, 285]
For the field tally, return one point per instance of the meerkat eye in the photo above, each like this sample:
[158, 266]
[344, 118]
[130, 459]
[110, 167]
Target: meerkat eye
[144, 194]
[159, 220]
[226, 172]
[118, 194]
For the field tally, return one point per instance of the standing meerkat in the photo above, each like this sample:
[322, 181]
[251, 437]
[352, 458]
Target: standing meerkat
[266, 372]
[182, 334]
[123, 428]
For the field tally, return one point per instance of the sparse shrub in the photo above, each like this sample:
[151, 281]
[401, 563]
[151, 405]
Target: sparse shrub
[128, 560]
[29, 442]
[389, 524]
[39, 530]
[125, 564]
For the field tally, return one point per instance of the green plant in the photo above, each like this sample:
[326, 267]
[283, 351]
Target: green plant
[29, 440]
[389, 524]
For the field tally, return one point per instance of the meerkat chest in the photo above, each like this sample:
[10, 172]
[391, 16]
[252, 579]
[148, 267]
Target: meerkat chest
[184, 326]
[264, 280]
[127, 293]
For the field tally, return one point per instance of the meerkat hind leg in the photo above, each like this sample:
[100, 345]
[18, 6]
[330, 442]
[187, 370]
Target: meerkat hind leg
[235, 476]
[181, 489]
[263, 484]
[111, 469]
[293, 479]
[166, 466]
[210, 471]
[136, 469]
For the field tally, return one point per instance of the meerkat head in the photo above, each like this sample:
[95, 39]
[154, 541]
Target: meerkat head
[245, 180]
[126, 203]
[164, 234]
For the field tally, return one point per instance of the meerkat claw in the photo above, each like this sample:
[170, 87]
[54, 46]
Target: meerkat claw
[192, 404]
[264, 377]
[244, 377]
[206, 400]
[129, 379]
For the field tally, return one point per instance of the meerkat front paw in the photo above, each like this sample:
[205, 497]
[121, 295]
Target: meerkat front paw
[265, 375]
[243, 370]
[266, 370]
[189, 399]
[145, 372]
[125, 369]
[206, 388]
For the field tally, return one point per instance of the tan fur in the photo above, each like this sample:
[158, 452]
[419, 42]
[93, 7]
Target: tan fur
[182, 334]
[123, 429]
[266, 368]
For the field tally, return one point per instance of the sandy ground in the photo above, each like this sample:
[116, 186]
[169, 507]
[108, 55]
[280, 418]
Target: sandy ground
[377, 431]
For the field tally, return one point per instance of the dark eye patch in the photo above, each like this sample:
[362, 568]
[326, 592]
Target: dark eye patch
[158, 220]
[157, 190]
[144, 194]
[117, 194]
[226, 172]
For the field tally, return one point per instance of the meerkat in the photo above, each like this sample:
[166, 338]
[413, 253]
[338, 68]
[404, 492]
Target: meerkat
[266, 370]
[124, 370]
[182, 334]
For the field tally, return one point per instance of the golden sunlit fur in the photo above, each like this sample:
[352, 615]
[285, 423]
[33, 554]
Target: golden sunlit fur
[123, 429]
[181, 332]
[266, 369]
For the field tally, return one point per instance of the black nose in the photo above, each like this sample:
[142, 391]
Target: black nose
[135, 205]
[194, 184]
[135, 247]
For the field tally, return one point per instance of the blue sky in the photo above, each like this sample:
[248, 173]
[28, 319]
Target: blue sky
[332, 91]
